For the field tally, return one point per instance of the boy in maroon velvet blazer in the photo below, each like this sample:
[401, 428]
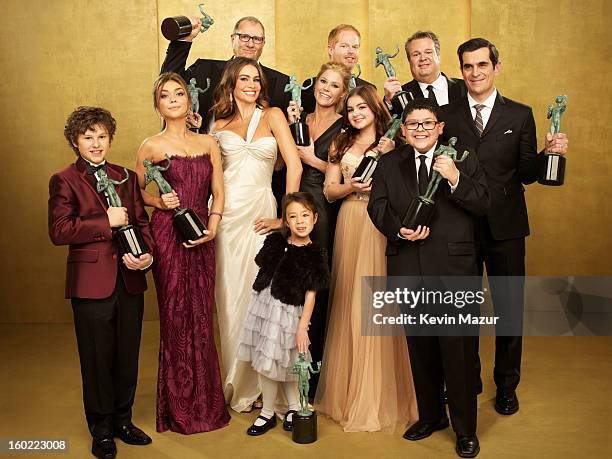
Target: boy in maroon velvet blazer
[105, 288]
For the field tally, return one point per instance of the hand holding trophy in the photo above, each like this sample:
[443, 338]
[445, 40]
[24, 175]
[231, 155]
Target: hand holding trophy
[553, 164]
[177, 27]
[400, 99]
[421, 208]
[185, 220]
[299, 129]
[129, 236]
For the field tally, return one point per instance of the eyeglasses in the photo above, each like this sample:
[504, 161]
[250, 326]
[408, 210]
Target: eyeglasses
[245, 37]
[414, 125]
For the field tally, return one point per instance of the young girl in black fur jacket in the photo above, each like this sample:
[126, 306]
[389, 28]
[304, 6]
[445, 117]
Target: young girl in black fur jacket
[291, 270]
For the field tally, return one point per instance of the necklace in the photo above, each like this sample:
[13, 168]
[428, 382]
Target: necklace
[298, 245]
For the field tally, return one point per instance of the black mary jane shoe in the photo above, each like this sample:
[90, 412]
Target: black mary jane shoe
[288, 425]
[254, 430]
[132, 435]
[467, 446]
[104, 448]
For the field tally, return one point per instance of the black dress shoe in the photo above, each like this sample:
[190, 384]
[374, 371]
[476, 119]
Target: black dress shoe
[506, 404]
[132, 435]
[104, 448]
[467, 446]
[288, 425]
[422, 430]
[260, 430]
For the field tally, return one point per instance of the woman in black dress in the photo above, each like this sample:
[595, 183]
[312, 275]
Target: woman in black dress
[330, 87]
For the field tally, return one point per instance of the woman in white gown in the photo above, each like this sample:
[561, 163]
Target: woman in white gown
[249, 135]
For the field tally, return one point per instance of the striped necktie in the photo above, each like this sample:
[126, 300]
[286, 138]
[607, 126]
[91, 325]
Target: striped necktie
[478, 120]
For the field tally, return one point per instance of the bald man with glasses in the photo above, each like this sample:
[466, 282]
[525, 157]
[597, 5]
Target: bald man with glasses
[248, 40]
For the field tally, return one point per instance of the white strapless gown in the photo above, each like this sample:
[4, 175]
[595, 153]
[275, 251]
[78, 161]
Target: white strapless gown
[247, 176]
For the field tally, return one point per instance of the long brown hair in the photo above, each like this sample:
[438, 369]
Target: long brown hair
[224, 105]
[345, 75]
[347, 136]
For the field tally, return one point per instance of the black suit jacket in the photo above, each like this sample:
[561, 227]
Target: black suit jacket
[176, 58]
[456, 90]
[507, 153]
[449, 250]
[308, 100]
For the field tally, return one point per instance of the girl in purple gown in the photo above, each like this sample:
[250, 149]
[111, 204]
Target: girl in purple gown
[189, 391]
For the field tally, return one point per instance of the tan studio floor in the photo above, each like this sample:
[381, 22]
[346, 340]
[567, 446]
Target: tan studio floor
[565, 397]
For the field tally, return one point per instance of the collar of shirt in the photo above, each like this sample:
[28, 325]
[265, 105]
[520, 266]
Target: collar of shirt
[488, 106]
[440, 86]
[94, 164]
[429, 159]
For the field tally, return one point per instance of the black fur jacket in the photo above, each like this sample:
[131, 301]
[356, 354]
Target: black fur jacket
[290, 270]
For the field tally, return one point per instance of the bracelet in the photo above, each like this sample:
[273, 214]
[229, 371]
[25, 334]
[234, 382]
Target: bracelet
[216, 213]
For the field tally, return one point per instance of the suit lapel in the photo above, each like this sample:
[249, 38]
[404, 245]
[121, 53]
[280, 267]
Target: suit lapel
[407, 170]
[82, 172]
[466, 114]
[498, 108]
[454, 89]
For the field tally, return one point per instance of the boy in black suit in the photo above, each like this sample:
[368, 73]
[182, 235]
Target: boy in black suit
[447, 249]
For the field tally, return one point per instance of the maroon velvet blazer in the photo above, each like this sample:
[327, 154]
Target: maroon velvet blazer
[77, 217]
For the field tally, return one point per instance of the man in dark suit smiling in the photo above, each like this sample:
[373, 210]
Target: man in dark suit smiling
[248, 40]
[502, 133]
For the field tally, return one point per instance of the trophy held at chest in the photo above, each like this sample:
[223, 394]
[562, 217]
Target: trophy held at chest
[299, 129]
[185, 220]
[304, 421]
[400, 99]
[129, 237]
[421, 209]
[553, 165]
[367, 166]
[178, 27]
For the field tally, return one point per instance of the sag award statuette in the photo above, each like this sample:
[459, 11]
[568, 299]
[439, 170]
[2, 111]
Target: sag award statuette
[299, 129]
[186, 220]
[553, 165]
[421, 208]
[180, 26]
[305, 421]
[130, 239]
[368, 164]
[401, 98]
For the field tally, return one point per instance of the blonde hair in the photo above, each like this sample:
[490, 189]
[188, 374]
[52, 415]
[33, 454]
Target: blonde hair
[345, 75]
[334, 34]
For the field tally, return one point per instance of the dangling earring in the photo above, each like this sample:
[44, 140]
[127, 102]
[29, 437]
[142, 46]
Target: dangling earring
[231, 98]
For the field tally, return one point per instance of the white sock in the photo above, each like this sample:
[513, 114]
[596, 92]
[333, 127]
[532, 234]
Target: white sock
[291, 394]
[269, 388]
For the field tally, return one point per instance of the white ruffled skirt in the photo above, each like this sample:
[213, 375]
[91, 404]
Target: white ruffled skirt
[268, 336]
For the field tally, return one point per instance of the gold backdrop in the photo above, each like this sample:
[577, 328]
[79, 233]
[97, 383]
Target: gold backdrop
[59, 54]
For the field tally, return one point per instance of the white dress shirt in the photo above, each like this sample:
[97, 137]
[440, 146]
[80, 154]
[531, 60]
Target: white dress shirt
[486, 111]
[440, 89]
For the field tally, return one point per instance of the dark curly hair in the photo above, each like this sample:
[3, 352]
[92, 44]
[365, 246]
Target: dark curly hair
[84, 118]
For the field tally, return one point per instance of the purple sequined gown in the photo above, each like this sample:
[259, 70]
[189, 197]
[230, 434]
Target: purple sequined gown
[189, 391]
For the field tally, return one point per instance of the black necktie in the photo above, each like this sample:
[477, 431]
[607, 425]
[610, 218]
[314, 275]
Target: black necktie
[423, 175]
[431, 96]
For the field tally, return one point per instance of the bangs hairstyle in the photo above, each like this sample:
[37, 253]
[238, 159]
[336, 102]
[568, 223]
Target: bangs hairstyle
[224, 105]
[334, 34]
[346, 138]
[85, 118]
[162, 80]
[304, 198]
[345, 75]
